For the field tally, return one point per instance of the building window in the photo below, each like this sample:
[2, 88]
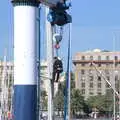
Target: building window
[11, 67]
[108, 78]
[99, 65]
[91, 93]
[116, 64]
[90, 71]
[10, 80]
[99, 85]
[99, 57]
[91, 78]
[83, 57]
[107, 58]
[107, 65]
[91, 57]
[83, 64]
[99, 78]
[99, 93]
[0, 89]
[116, 78]
[7, 67]
[83, 91]
[1, 67]
[107, 85]
[116, 57]
[107, 72]
[91, 85]
[82, 71]
[83, 79]
[91, 65]
[83, 85]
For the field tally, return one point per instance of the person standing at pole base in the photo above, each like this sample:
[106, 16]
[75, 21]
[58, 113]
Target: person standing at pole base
[57, 68]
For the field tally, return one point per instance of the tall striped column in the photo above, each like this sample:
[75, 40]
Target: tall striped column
[25, 55]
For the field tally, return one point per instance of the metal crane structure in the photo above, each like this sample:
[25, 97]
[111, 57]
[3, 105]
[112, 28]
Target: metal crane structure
[25, 53]
[57, 17]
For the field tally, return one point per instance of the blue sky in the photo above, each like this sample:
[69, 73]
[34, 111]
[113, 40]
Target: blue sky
[96, 23]
[6, 40]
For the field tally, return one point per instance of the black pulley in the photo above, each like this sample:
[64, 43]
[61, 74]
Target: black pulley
[59, 18]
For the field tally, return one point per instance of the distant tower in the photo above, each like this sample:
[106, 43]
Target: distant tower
[25, 54]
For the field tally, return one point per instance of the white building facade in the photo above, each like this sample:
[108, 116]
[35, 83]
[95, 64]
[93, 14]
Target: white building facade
[88, 79]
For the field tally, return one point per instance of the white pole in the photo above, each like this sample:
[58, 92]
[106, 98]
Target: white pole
[25, 59]
[49, 66]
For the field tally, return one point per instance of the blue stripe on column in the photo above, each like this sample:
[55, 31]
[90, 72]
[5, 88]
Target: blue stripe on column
[25, 102]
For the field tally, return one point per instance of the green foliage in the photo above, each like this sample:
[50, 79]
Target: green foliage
[77, 101]
[59, 97]
[87, 109]
[59, 101]
[101, 102]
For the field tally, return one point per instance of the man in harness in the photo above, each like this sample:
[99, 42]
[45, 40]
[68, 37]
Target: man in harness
[57, 68]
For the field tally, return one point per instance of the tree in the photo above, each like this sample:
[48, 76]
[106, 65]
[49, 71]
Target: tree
[59, 101]
[77, 102]
[87, 109]
[59, 98]
[101, 102]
